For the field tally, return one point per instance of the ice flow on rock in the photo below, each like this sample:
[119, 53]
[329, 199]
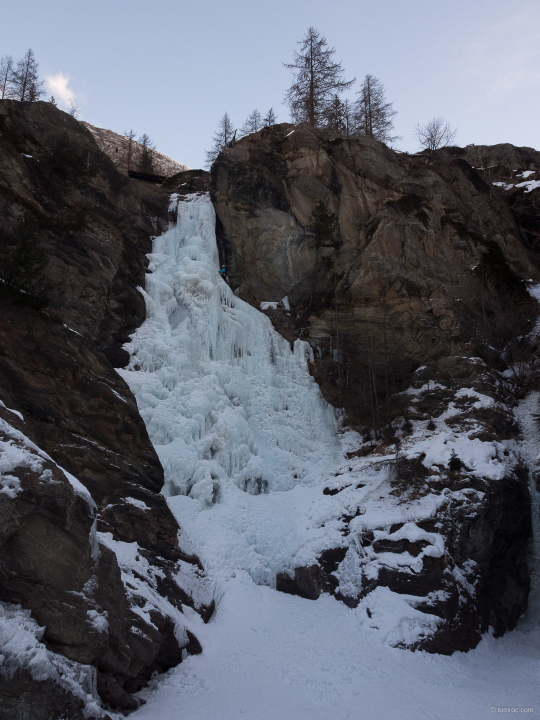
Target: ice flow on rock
[223, 396]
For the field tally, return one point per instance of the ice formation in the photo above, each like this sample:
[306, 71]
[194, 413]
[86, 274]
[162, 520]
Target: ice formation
[248, 445]
[223, 395]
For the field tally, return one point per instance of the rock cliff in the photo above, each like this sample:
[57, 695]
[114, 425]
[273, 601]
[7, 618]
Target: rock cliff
[117, 148]
[89, 547]
[408, 276]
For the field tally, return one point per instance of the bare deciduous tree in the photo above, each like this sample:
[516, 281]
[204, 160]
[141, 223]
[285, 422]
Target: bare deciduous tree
[6, 77]
[436, 134]
[74, 110]
[252, 124]
[25, 78]
[373, 114]
[270, 118]
[222, 139]
[317, 79]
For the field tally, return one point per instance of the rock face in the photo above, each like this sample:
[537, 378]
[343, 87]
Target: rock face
[410, 231]
[423, 270]
[116, 147]
[110, 551]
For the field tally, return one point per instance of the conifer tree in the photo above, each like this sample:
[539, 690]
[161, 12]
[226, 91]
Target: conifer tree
[130, 137]
[373, 114]
[253, 123]
[6, 77]
[335, 115]
[74, 110]
[146, 159]
[270, 118]
[348, 118]
[25, 78]
[52, 101]
[317, 78]
[222, 139]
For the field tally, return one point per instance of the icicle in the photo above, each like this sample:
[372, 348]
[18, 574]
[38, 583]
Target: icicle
[221, 392]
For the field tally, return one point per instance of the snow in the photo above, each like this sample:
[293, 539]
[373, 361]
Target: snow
[273, 305]
[529, 185]
[20, 451]
[71, 329]
[248, 445]
[138, 503]
[21, 648]
[15, 412]
[141, 582]
[268, 655]
[223, 396]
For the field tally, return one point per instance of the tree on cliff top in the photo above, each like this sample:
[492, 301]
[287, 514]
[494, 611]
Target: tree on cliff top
[253, 124]
[373, 114]
[130, 137]
[317, 79]
[437, 133]
[6, 77]
[222, 139]
[146, 159]
[25, 79]
[270, 118]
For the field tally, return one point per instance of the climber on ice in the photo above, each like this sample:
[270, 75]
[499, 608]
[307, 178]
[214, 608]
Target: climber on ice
[223, 273]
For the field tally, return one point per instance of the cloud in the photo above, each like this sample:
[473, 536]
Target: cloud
[58, 85]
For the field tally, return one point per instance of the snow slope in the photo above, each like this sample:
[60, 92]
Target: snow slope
[271, 656]
[247, 444]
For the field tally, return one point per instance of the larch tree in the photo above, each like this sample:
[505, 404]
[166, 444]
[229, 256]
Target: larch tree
[74, 110]
[26, 83]
[373, 114]
[317, 78]
[6, 77]
[335, 115]
[222, 139]
[348, 118]
[270, 118]
[130, 137]
[437, 133]
[252, 124]
[146, 159]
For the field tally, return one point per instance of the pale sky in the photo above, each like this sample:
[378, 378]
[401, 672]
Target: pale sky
[172, 68]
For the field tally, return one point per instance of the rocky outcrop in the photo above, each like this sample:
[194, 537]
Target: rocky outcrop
[440, 515]
[389, 264]
[107, 574]
[117, 148]
[411, 232]
[187, 182]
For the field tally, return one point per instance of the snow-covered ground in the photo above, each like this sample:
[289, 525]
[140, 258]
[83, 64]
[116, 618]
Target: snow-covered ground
[271, 656]
[248, 444]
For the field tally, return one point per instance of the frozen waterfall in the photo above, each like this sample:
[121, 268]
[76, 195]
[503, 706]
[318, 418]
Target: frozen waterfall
[228, 405]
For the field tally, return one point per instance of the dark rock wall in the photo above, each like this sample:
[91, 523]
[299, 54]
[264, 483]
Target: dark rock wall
[56, 368]
[426, 268]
